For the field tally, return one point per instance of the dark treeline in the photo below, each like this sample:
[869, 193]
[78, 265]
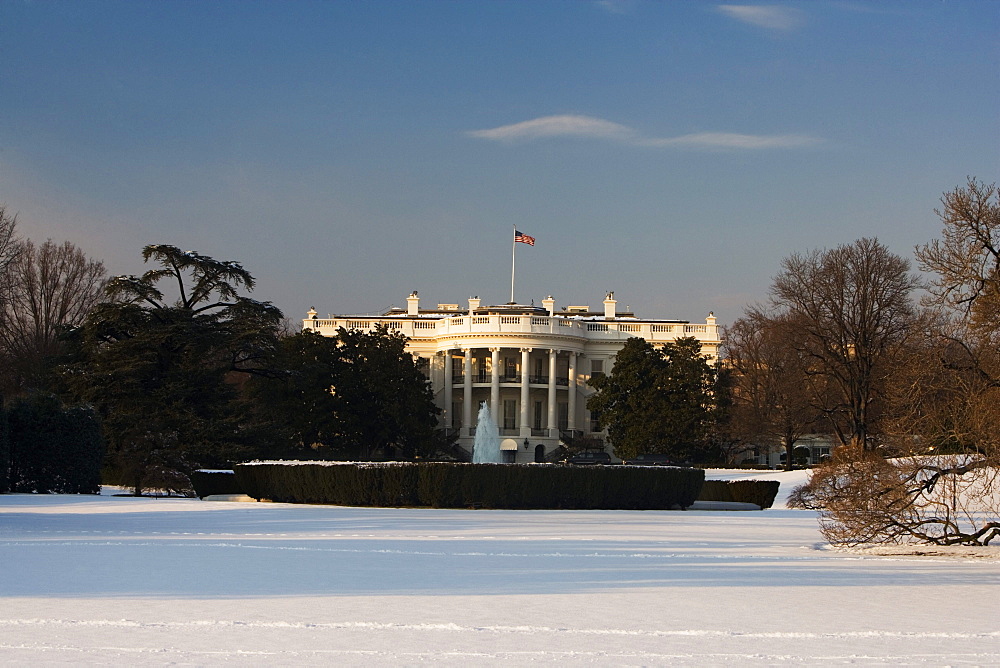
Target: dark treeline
[181, 369]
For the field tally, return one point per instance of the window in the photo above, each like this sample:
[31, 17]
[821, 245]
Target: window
[541, 371]
[510, 368]
[537, 423]
[596, 368]
[456, 415]
[509, 414]
[563, 417]
[594, 421]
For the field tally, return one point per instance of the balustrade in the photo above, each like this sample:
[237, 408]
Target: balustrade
[528, 324]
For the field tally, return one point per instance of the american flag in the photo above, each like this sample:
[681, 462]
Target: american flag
[523, 238]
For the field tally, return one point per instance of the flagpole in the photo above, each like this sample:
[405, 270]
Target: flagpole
[513, 248]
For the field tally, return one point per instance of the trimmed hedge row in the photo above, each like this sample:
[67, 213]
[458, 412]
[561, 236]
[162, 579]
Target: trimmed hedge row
[207, 483]
[451, 485]
[50, 448]
[761, 492]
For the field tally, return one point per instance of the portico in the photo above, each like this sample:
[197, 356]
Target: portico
[513, 380]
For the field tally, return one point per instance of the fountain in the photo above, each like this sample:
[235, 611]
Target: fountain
[486, 447]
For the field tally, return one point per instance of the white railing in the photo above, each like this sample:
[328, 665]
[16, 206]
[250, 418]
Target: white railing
[527, 324]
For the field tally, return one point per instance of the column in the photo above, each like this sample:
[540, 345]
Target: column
[467, 393]
[571, 400]
[495, 384]
[552, 425]
[524, 423]
[448, 390]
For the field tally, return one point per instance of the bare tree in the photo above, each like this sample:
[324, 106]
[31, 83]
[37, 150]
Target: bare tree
[8, 240]
[945, 500]
[46, 287]
[852, 311]
[772, 401]
[944, 485]
[966, 258]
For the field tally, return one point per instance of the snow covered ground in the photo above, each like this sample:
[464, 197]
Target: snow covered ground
[88, 580]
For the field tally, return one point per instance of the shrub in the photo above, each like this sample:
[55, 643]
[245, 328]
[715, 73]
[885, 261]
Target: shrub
[207, 483]
[4, 450]
[53, 448]
[759, 492]
[943, 500]
[448, 485]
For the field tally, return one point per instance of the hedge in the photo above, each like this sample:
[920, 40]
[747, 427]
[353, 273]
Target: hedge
[207, 483]
[52, 448]
[453, 485]
[760, 492]
[4, 450]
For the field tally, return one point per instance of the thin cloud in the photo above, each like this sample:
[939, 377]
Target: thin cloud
[587, 127]
[733, 140]
[615, 6]
[773, 17]
[556, 126]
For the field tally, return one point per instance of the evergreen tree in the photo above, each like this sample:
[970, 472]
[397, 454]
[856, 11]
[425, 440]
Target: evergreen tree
[354, 395]
[656, 400]
[160, 372]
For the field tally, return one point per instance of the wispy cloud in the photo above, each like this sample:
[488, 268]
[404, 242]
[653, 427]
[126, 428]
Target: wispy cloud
[734, 140]
[557, 126]
[615, 6]
[588, 127]
[773, 17]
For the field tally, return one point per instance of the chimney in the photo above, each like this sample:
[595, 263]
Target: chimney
[550, 305]
[609, 306]
[473, 304]
[413, 304]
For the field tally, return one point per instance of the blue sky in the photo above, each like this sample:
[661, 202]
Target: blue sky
[350, 152]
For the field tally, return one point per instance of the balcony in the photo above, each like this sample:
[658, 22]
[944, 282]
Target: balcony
[424, 328]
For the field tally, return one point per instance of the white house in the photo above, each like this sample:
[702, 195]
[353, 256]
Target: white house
[529, 363]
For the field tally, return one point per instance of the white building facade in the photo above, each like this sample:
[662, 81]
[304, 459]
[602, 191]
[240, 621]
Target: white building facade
[529, 364]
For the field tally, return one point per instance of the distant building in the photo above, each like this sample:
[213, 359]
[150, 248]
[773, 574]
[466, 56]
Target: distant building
[530, 364]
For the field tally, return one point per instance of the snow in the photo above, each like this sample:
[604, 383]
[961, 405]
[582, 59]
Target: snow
[103, 579]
